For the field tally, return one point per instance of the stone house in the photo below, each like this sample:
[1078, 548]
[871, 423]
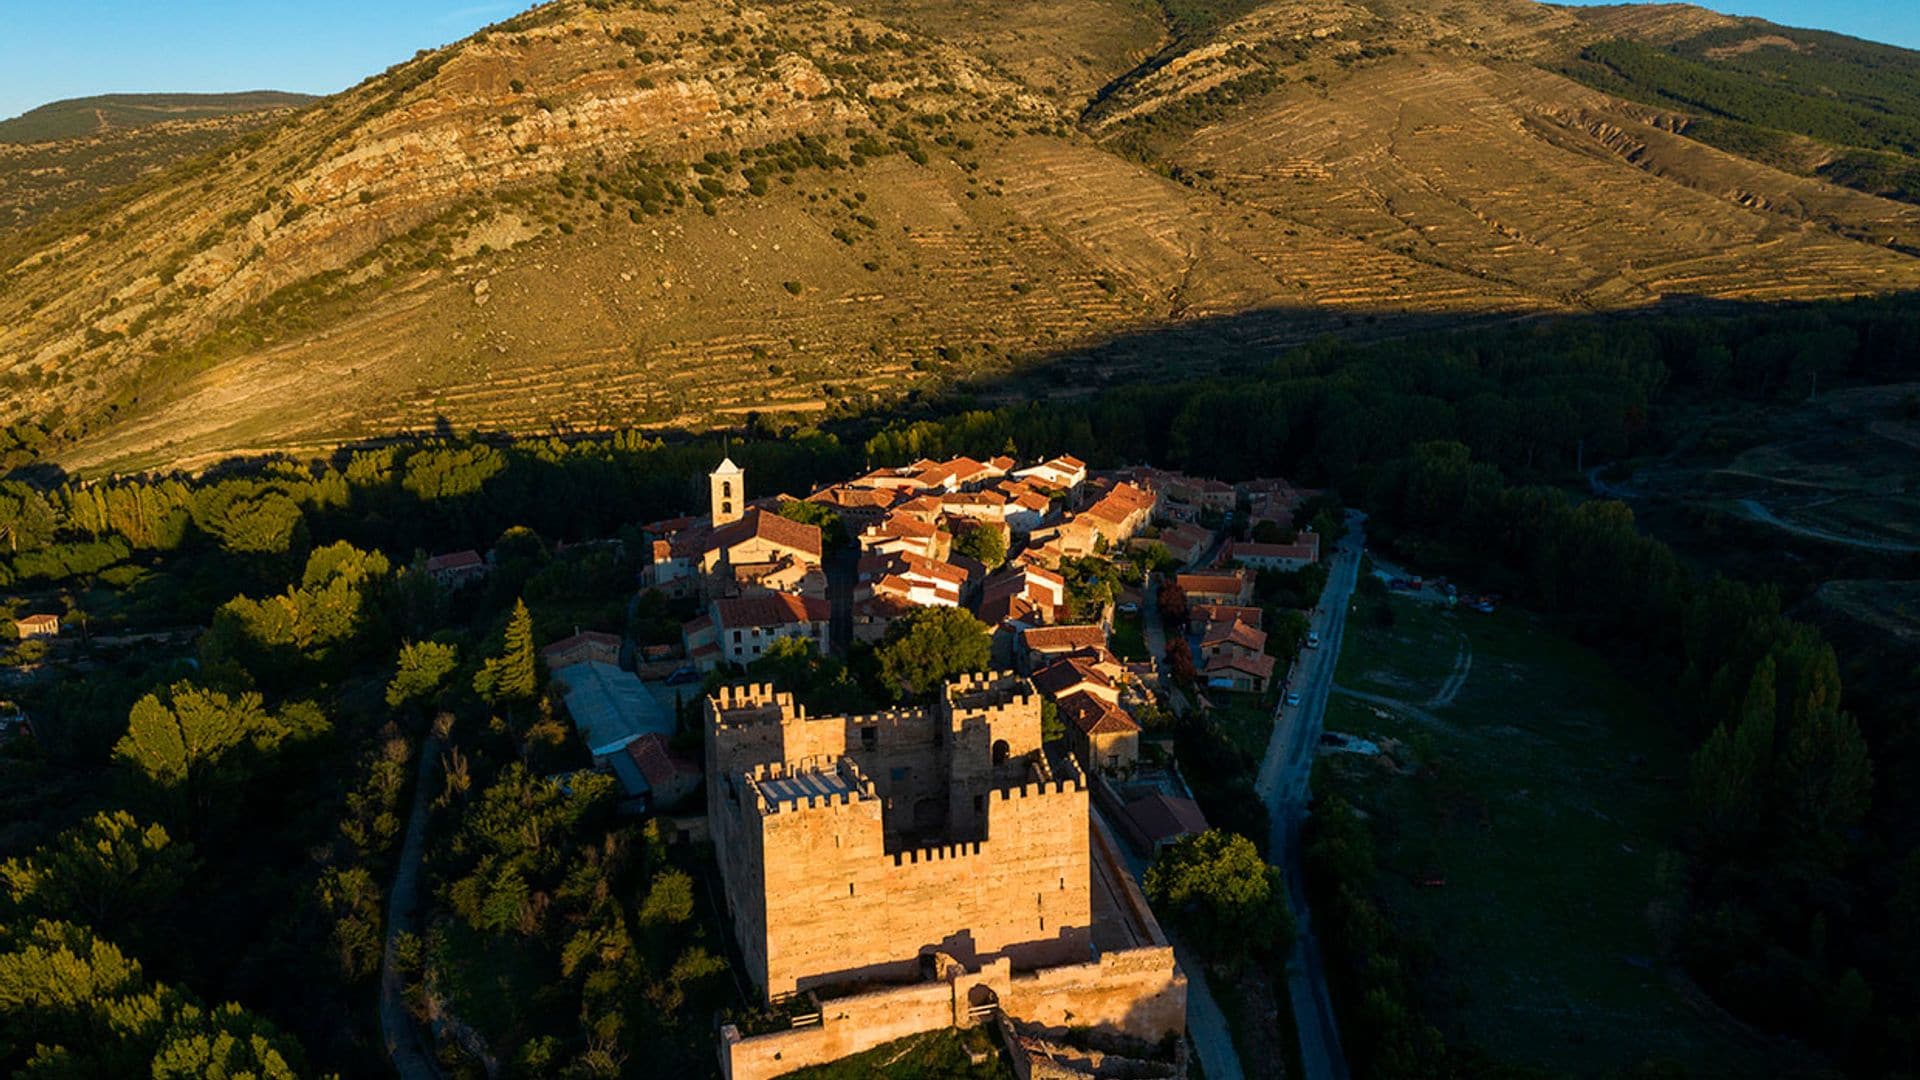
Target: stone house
[583, 646]
[456, 569]
[40, 625]
[1303, 552]
[1217, 587]
[744, 627]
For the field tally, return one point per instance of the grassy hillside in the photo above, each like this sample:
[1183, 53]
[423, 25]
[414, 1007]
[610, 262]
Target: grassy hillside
[601, 213]
[77, 118]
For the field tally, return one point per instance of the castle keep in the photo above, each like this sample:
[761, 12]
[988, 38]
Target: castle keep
[920, 868]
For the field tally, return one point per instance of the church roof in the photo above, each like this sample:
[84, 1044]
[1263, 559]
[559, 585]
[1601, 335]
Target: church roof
[726, 466]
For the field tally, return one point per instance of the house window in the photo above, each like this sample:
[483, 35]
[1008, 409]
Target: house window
[898, 772]
[726, 491]
[736, 637]
[979, 804]
[1001, 751]
[869, 738]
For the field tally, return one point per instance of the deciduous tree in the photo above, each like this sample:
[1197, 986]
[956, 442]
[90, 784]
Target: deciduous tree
[931, 645]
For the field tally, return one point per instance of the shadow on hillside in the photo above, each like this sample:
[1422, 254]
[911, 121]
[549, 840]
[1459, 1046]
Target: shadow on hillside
[1212, 346]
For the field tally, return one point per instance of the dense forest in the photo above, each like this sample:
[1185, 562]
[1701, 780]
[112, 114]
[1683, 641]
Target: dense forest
[213, 804]
[1858, 96]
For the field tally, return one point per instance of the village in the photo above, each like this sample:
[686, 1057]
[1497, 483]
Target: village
[968, 851]
[1109, 604]
[1121, 596]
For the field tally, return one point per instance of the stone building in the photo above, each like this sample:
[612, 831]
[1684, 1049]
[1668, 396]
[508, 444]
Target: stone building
[921, 868]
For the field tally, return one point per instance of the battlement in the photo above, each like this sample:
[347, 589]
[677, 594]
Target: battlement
[936, 853]
[990, 692]
[811, 783]
[899, 714]
[754, 703]
[1036, 789]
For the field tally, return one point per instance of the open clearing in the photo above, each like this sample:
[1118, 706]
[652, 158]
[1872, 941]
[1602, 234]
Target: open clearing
[1838, 470]
[1541, 794]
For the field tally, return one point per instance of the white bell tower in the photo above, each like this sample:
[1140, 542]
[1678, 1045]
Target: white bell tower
[727, 492]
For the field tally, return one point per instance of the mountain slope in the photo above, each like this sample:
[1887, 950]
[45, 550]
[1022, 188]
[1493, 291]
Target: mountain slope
[77, 118]
[66, 154]
[612, 213]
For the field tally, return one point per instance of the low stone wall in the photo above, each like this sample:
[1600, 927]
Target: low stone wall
[847, 1026]
[1139, 992]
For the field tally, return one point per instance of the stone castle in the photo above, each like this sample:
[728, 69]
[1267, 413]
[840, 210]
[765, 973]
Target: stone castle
[920, 868]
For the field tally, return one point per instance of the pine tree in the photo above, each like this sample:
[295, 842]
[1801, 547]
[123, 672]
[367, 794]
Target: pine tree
[510, 676]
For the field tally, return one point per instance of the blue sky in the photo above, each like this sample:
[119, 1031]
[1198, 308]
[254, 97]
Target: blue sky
[53, 49]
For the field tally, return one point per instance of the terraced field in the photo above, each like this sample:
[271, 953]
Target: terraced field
[1445, 160]
[609, 213]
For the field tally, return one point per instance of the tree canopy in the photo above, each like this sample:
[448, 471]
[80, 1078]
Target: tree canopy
[1222, 895]
[930, 645]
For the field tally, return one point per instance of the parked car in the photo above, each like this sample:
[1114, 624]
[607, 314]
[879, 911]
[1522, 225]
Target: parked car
[1293, 700]
[1128, 608]
[1313, 639]
[683, 676]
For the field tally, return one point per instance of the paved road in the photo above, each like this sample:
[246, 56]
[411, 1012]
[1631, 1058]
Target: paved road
[1151, 626]
[1282, 784]
[410, 1058]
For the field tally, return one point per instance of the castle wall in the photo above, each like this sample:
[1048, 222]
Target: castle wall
[840, 908]
[848, 1026]
[1138, 992]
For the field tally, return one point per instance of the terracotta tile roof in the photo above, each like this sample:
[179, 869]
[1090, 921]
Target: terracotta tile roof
[840, 495]
[1223, 613]
[904, 527]
[660, 765]
[584, 637]
[772, 609]
[1062, 675]
[1166, 817]
[1064, 638]
[1233, 633]
[1259, 664]
[457, 560]
[907, 563]
[1117, 505]
[973, 498]
[1216, 584]
[786, 532]
[1094, 716]
[41, 621]
[1185, 537]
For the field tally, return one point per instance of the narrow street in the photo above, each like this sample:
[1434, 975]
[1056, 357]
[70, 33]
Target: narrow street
[1282, 784]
